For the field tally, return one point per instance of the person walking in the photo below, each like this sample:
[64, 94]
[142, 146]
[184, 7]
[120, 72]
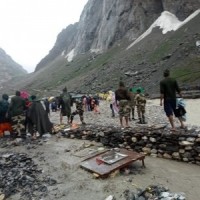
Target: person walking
[38, 120]
[65, 104]
[122, 97]
[132, 104]
[79, 110]
[140, 102]
[113, 106]
[47, 108]
[168, 89]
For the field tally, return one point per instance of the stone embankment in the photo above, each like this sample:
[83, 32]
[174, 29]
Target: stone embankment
[153, 138]
[157, 141]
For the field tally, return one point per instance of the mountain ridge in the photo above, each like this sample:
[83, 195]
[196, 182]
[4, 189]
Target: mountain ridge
[103, 23]
[9, 68]
[103, 59]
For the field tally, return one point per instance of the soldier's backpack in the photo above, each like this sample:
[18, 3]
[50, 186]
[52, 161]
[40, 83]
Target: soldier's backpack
[66, 98]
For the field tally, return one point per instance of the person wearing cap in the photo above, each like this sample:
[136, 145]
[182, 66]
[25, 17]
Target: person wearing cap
[168, 89]
[122, 98]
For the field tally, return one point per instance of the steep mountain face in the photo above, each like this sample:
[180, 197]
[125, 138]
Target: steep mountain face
[8, 68]
[132, 40]
[104, 23]
[181, 8]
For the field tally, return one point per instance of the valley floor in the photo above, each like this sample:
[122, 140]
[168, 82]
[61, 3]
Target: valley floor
[58, 158]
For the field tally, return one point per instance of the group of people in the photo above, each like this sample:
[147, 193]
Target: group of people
[90, 103]
[126, 101]
[24, 115]
[29, 115]
[65, 104]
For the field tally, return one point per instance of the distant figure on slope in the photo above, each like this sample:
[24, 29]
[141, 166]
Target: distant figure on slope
[65, 104]
[122, 96]
[168, 89]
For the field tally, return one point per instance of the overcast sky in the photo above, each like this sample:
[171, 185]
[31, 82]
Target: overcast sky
[29, 28]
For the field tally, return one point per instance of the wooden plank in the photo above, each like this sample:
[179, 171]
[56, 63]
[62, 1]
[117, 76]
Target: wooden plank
[95, 164]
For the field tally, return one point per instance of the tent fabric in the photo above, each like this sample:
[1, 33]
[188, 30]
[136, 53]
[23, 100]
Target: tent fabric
[134, 89]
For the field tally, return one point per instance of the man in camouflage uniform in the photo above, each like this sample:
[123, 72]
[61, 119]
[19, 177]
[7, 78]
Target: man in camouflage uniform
[79, 110]
[132, 105]
[122, 99]
[140, 104]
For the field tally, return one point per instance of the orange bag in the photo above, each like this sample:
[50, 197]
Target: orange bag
[5, 127]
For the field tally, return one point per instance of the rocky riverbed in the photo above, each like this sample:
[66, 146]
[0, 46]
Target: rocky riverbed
[56, 161]
[154, 115]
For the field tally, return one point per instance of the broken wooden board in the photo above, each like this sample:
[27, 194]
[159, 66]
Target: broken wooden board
[97, 166]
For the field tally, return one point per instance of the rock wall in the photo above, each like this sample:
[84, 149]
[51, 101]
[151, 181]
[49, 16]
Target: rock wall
[103, 23]
[181, 8]
[155, 141]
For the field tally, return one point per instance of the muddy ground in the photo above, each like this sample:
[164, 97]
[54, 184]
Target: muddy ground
[61, 158]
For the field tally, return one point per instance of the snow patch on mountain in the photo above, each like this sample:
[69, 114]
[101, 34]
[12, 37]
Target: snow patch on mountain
[70, 55]
[167, 22]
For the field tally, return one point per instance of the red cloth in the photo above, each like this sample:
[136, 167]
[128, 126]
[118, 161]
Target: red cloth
[5, 127]
[24, 94]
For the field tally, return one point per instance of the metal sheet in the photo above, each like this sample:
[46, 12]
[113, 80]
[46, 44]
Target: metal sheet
[96, 165]
[112, 157]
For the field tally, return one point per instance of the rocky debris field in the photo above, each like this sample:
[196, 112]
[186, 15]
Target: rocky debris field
[48, 168]
[19, 173]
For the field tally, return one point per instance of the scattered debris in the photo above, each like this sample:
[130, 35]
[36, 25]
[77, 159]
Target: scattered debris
[19, 173]
[153, 192]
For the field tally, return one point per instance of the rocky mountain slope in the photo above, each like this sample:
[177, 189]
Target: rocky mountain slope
[93, 54]
[8, 68]
[103, 23]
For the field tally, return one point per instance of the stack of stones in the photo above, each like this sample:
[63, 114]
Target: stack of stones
[183, 145]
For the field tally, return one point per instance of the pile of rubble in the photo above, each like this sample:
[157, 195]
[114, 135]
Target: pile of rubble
[19, 173]
[156, 141]
[153, 192]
